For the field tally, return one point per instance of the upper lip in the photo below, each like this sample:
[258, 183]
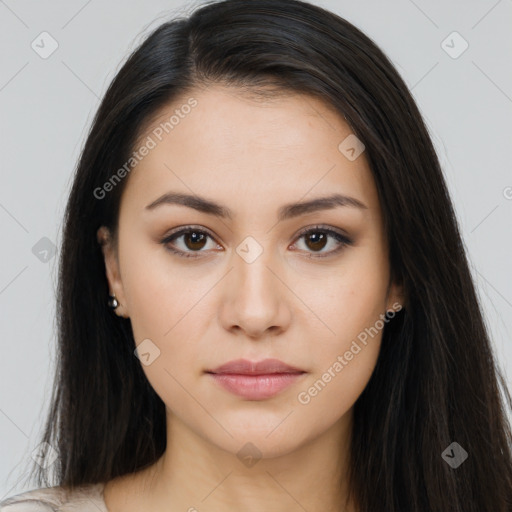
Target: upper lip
[264, 367]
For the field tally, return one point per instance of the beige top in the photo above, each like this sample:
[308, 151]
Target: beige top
[86, 498]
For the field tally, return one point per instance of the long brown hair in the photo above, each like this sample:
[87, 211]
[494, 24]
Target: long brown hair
[436, 381]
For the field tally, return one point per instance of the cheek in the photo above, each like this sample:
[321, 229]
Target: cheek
[331, 393]
[168, 311]
[344, 361]
[165, 322]
[160, 299]
[350, 306]
[350, 300]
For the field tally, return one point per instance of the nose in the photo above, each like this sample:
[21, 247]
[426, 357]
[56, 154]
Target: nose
[257, 299]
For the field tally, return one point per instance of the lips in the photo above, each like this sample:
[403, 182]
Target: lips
[258, 380]
[265, 367]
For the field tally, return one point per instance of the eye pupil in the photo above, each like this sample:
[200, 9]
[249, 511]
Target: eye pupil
[318, 239]
[196, 238]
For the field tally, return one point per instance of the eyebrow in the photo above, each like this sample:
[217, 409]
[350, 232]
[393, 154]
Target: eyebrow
[286, 211]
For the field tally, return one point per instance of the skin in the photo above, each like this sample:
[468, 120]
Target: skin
[252, 157]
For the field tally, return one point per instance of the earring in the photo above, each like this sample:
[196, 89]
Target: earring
[113, 302]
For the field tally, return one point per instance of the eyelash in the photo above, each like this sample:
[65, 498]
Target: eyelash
[341, 239]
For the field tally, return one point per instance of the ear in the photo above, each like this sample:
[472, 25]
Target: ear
[115, 283]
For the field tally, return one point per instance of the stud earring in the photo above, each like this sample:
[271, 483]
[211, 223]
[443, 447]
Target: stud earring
[113, 302]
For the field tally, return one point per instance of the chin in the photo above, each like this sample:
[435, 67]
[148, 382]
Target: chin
[264, 435]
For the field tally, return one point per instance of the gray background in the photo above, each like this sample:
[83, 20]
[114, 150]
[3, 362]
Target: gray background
[47, 106]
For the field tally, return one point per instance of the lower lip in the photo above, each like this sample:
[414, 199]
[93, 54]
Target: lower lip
[256, 387]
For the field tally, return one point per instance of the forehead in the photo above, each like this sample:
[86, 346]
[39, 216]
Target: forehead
[281, 148]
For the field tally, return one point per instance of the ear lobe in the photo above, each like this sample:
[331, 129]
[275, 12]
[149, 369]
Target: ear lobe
[113, 275]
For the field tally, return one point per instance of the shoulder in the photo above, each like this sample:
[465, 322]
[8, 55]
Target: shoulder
[86, 498]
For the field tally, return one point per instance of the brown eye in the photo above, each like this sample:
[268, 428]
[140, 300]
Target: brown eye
[194, 240]
[317, 238]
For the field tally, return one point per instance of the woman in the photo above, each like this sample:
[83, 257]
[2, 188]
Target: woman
[292, 323]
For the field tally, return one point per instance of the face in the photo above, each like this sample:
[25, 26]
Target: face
[253, 277]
